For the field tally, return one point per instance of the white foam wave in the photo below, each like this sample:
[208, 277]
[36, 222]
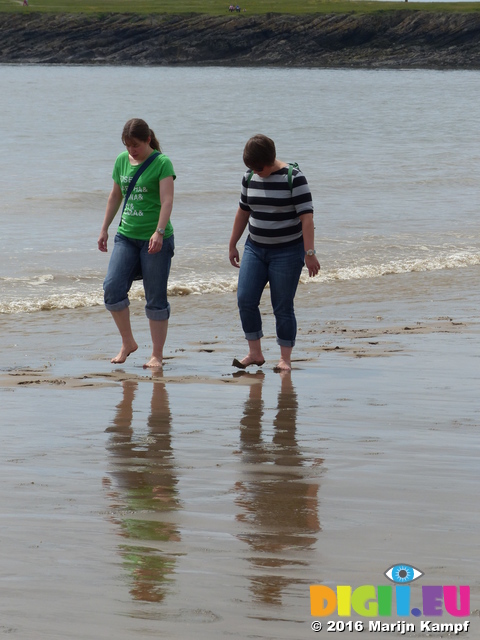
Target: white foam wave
[201, 286]
[51, 303]
[69, 298]
[72, 298]
[407, 265]
[34, 281]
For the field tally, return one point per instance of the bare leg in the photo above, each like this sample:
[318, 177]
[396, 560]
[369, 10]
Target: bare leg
[158, 330]
[285, 363]
[255, 355]
[122, 320]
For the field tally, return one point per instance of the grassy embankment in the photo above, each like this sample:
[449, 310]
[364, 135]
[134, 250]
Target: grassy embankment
[220, 7]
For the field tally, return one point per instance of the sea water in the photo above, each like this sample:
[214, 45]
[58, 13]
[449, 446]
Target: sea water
[392, 158]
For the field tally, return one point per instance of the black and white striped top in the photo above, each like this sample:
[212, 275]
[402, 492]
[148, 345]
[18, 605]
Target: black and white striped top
[274, 208]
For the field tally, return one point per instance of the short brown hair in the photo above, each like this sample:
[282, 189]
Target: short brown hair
[259, 152]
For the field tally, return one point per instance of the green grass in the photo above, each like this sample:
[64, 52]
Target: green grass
[220, 7]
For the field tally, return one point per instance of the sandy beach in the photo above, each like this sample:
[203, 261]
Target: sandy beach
[203, 502]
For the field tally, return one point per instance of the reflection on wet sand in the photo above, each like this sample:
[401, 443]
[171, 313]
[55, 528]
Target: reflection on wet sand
[278, 502]
[145, 490]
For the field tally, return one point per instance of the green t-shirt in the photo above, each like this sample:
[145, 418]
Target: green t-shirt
[140, 218]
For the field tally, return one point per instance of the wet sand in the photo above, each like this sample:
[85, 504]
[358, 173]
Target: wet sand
[202, 502]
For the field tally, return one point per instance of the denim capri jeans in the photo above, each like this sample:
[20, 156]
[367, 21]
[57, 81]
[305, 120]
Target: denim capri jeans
[128, 256]
[281, 268]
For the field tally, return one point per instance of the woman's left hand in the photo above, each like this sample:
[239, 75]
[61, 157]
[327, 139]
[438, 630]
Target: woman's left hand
[156, 243]
[313, 265]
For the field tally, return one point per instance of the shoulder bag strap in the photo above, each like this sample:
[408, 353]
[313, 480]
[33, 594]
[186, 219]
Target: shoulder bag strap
[291, 167]
[132, 184]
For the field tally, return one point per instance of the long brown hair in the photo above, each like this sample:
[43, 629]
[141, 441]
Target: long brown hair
[139, 129]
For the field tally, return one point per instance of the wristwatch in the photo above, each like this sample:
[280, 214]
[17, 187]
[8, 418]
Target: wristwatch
[161, 231]
[310, 252]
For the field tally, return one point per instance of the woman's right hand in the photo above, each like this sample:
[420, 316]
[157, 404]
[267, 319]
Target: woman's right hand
[102, 241]
[239, 224]
[113, 203]
[234, 257]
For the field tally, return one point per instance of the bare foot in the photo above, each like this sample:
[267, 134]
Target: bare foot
[153, 363]
[125, 351]
[282, 366]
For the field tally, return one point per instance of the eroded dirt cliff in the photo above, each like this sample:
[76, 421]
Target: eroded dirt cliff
[389, 39]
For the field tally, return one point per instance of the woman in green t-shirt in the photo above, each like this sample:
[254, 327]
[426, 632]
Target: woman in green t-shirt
[144, 241]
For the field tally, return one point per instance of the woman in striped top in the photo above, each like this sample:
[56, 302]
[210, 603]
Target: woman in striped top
[276, 204]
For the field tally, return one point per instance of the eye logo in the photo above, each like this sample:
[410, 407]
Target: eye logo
[403, 573]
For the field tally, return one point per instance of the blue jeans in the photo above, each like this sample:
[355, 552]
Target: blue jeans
[281, 267]
[128, 256]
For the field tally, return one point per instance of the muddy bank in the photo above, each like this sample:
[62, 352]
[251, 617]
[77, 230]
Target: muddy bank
[384, 40]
